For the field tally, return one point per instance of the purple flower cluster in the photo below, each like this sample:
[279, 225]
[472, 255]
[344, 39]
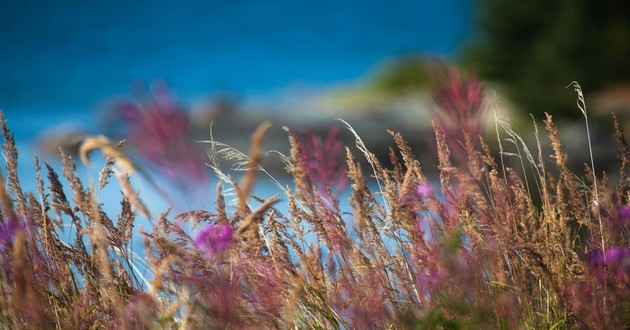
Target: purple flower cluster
[614, 256]
[424, 189]
[214, 239]
[624, 213]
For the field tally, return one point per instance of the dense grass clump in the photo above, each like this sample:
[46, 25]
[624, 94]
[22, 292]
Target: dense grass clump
[481, 246]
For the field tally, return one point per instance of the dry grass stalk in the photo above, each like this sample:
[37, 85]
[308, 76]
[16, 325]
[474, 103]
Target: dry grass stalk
[493, 247]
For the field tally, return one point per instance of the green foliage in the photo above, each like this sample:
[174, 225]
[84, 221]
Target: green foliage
[402, 75]
[536, 47]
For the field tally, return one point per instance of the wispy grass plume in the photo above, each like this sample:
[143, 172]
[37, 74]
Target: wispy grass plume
[481, 245]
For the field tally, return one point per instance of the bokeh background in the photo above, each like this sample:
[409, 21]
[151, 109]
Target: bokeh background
[302, 64]
[60, 61]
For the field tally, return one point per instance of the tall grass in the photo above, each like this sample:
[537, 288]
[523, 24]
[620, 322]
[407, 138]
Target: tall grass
[488, 246]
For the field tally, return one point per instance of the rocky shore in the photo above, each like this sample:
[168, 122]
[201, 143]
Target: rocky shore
[232, 123]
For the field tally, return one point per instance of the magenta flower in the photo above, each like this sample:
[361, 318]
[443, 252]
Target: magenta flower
[613, 256]
[424, 189]
[214, 239]
[624, 212]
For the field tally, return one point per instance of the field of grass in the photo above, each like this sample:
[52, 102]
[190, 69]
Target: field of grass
[481, 246]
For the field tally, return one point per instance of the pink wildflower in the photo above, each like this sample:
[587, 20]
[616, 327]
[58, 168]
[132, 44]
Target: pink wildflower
[613, 256]
[424, 189]
[214, 239]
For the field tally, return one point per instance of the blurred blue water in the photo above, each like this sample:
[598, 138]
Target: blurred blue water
[60, 58]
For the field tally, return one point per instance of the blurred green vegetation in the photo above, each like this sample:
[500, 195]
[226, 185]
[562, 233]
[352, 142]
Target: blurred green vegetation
[535, 48]
[402, 75]
[390, 80]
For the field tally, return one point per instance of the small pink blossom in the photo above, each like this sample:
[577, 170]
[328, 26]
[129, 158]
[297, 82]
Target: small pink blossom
[424, 189]
[613, 256]
[214, 239]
